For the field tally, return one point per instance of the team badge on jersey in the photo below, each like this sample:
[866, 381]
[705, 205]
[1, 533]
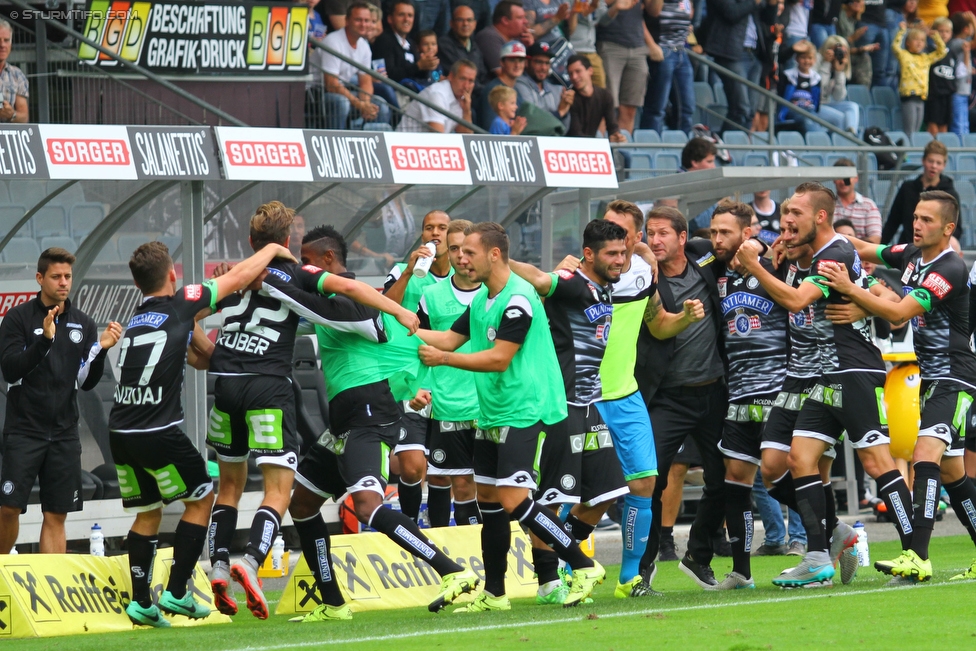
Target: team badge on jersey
[752, 283]
[723, 284]
[193, 292]
[75, 336]
[742, 324]
[491, 333]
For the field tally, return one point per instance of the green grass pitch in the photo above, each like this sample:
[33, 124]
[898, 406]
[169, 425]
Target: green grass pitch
[864, 615]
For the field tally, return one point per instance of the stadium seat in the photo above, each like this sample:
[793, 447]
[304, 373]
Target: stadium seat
[21, 250]
[60, 241]
[969, 140]
[71, 195]
[641, 164]
[830, 159]
[703, 97]
[50, 221]
[720, 97]
[967, 199]
[818, 139]
[674, 137]
[949, 139]
[9, 216]
[172, 242]
[877, 116]
[735, 137]
[314, 416]
[27, 193]
[899, 137]
[84, 217]
[756, 159]
[4, 193]
[811, 159]
[790, 138]
[377, 126]
[715, 122]
[667, 161]
[965, 162]
[109, 253]
[647, 136]
[859, 94]
[913, 158]
[129, 242]
[921, 138]
[883, 95]
[627, 136]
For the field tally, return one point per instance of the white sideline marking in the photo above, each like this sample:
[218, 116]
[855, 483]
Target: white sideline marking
[825, 594]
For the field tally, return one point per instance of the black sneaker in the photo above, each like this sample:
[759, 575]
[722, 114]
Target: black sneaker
[700, 574]
[721, 545]
[667, 550]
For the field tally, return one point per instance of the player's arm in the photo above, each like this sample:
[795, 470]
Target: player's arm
[91, 369]
[398, 288]
[200, 349]
[664, 324]
[539, 279]
[244, 273]
[492, 360]
[869, 251]
[793, 299]
[366, 295]
[915, 304]
[851, 312]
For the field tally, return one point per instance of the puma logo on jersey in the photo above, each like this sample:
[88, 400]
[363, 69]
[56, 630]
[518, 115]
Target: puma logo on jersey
[138, 395]
[244, 342]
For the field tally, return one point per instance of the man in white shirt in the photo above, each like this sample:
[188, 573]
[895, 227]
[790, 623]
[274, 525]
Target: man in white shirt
[453, 95]
[339, 99]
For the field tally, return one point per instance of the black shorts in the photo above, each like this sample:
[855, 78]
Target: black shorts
[846, 401]
[56, 463]
[254, 414]
[778, 433]
[451, 447]
[971, 430]
[938, 110]
[158, 468]
[509, 456]
[579, 462]
[356, 460]
[688, 454]
[945, 405]
[415, 424]
[743, 430]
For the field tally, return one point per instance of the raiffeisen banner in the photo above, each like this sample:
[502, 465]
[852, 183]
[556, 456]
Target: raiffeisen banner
[199, 38]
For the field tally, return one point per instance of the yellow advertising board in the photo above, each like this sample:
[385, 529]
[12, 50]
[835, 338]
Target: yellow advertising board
[374, 573]
[67, 594]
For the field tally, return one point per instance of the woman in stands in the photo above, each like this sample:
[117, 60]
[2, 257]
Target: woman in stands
[834, 66]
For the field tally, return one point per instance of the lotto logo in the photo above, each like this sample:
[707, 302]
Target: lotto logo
[193, 292]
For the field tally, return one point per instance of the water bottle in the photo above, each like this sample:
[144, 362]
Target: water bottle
[96, 542]
[863, 555]
[423, 264]
[277, 554]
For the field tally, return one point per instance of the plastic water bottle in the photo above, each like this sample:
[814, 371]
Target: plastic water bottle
[277, 553]
[863, 555]
[96, 541]
[423, 264]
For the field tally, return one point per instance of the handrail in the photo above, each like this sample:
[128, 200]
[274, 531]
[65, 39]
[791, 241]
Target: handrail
[396, 86]
[781, 147]
[773, 96]
[190, 97]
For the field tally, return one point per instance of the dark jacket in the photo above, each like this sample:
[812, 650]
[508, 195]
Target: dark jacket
[450, 50]
[903, 209]
[725, 26]
[654, 355]
[387, 47]
[44, 374]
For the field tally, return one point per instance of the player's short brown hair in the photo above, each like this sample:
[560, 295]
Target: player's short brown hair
[271, 224]
[742, 212]
[150, 264]
[622, 207]
[54, 255]
[821, 198]
[458, 226]
[948, 206]
[492, 236]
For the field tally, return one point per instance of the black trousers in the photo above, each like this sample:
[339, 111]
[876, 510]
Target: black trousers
[675, 414]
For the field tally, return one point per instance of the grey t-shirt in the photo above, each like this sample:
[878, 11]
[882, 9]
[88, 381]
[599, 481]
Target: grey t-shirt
[626, 29]
[964, 78]
[696, 358]
[544, 11]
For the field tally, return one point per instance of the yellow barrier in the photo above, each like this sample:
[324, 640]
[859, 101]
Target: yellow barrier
[374, 573]
[48, 595]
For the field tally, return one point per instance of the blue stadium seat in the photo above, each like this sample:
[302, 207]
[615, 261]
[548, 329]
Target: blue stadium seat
[109, 253]
[877, 116]
[62, 241]
[172, 242]
[703, 97]
[129, 242]
[921, 138]
[716, 124]
[899, 136]
[967, 199]
[790, 138]
[377, 126]
[646, 135]
[969, 140]
[720, 97]
[641, 164]
[627, 136]
[818, 139]
[27, 193]
[10, 215]
[883, 95]
[667, 161]
[859, 94]
[949, 139]
[756, 159]
[965, 162]
[84, 217]
[4, 193]
[896, 121]
[21, 250]
[674, 137]
[913, 158]
[735, 137]
[50, 221]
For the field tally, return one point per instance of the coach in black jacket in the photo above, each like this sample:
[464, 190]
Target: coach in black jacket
[48, 348]
[682, 381]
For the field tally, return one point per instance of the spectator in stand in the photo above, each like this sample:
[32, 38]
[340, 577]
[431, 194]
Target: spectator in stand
[851, 204]
[591, 105]
[767, 211]
[346, 87]
[13, 82]
[427, 44]
[581, 26]
[316, 26]
[621, 42]
[544, 17]
[875, 19]
[795, 21]
[504, 101]
[931, 10]
[823, 20]
[758, 59]
[801, 86]
[915, 63]
[452, 95]
[726, 23]
[380, 89]
[942, 84]
[699, 154]
[847, 26]
[834, 66]
[458, 44]
[401, 55]
[963, 30]
[903, 208]
[335, 12]
[534, 86]
[431, 15]
[482, 11]
[669, 22]
[508, 23]
[512, 67]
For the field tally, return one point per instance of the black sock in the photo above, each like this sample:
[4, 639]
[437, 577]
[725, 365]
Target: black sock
[546, 564]
[316, 547]
[438, 505]
[577, 528]
[830, 518]
[667, 532]
[547, 527]
[187, 546]
[405, 532]
[410, 496]
[467, 513]
[496, 538]
[264, 530]
[894, 491]
[810, 500]
[223, 524]
[783, 491]
[142, 551]
[962, 494]
[738, 519]
[926, 506]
